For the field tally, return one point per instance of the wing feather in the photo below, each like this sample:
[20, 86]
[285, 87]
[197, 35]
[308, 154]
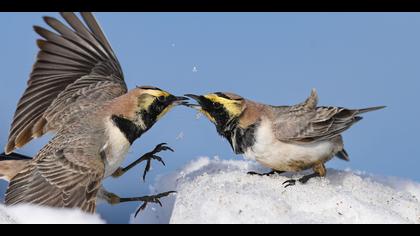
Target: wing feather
[306, 123]
[74, 66]
[321, 123]
[57, 178]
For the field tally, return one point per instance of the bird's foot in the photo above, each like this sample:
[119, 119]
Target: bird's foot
[146, 157]
[114, 199]
[289, 182]
[303, 180]
[265, 174]
[149, 199]
[152, 156]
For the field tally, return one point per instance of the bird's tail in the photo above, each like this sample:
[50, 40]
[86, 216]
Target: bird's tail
[12, 164]
[343, 155]
[364, 110]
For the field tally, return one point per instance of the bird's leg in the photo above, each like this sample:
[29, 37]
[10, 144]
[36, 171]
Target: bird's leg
[265, 174]
[319, 171]
[146, 157]
[113, 199]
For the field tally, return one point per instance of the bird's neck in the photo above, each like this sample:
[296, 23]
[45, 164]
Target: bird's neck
[240, 138]
[130, 129]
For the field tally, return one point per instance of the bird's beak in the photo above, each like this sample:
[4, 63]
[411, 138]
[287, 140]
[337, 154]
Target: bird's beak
[195, 97]
[181, 101]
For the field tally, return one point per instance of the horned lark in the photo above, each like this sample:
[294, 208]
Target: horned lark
[283, 138]
[77, 90]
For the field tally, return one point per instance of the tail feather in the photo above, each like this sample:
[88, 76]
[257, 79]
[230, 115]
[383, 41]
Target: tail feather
[364, 110]
[343, 155]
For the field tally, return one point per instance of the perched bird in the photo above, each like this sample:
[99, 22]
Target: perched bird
[283, 138]
[77, 90]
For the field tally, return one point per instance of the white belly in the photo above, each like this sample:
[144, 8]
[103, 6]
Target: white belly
[116, 149]
[281, 156]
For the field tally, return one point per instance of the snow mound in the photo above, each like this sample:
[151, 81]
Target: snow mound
[29, 214]
[220, 191]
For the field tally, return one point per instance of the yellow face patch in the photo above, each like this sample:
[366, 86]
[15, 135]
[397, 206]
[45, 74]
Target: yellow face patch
[145, 101]
[233, 107]
[149, 96]
[157, 93]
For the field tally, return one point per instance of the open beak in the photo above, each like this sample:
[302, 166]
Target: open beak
[196, 98]
[181, 101]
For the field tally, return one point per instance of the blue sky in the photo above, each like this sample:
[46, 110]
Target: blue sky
[354, 60]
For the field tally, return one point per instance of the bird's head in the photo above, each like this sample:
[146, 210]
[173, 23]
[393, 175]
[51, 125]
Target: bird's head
[153, 103]
[138, 110]
[220, 108]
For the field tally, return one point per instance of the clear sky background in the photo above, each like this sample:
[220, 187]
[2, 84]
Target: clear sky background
[354, 60]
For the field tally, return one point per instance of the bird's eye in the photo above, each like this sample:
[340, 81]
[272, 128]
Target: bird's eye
[217, 105]
[161, 98]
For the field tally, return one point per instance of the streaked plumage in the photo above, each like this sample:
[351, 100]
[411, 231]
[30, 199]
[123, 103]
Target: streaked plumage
[77, 90]
[283, 138]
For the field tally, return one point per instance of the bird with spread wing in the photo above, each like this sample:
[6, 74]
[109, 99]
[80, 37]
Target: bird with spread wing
[77, 91]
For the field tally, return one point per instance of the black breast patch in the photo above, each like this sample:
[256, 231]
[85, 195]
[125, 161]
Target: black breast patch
[128, 128]
[243, 139]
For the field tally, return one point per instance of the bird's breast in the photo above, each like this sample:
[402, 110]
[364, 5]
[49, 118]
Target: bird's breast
[115, 149]
[281, 156]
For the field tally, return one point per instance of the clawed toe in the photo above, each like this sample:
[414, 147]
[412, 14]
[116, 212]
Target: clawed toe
[265, 174]
[290, 182]
[253, 173]
[152, 156]
[152, 199]
[161, 147]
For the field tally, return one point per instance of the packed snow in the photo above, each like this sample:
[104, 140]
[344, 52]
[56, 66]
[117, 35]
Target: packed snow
[27, 214]
[220, 191]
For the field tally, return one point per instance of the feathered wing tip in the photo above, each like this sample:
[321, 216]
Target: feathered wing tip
[364, 110]
[66, 54]
[312, 101]
[12, 164]
[13, 156]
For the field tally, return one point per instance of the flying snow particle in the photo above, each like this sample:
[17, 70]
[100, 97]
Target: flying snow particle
[180, 136]
[198, 115]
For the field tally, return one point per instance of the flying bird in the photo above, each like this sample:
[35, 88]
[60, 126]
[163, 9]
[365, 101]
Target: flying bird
[282, 138]
[77, 91]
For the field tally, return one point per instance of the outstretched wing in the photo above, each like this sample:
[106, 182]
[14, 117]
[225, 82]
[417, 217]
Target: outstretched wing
[320, 123]
[57, 178]
[75, 69]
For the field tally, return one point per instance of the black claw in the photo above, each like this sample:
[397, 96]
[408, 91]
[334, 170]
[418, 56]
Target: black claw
[253, 173]
[161, 147]
[146, 169]
[159, 159]
[165, 148]
[289, 183]
[141, 208]
[259, 174]
[265, 174]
